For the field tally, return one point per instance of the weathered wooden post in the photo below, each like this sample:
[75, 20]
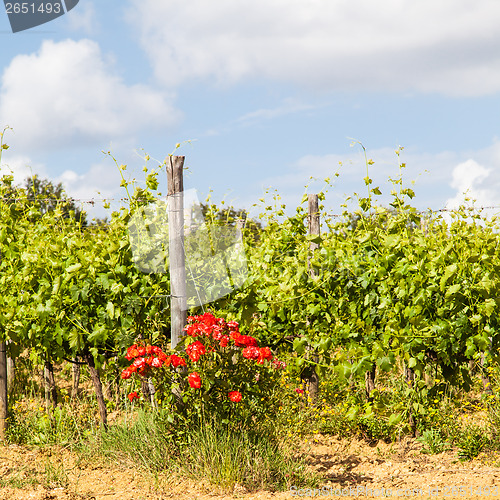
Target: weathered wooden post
[177, 262]
[3, 390]
[4, 401]
[75, 376]
[310, 375]
[50, 386]
[11, 374]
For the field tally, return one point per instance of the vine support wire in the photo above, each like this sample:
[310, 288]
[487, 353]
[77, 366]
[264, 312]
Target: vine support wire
[177, 261]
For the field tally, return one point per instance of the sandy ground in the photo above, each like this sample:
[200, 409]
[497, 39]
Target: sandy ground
[349, 468]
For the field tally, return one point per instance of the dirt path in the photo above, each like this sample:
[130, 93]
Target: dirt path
[350, 469]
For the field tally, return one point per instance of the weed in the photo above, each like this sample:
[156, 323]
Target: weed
[433, 441]
[55, 476]
[471, 444]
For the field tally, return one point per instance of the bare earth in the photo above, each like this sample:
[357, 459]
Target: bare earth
[350, 468]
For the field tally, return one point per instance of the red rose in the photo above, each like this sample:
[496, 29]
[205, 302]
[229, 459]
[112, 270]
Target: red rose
[224, 340]
[194, 380]
[245, 341]
[195, 350]
[217, 333]
[208, 319]
[139, 363]
[250, 352]
[127, 373]
[156, 363]
[192, 330]
[234, 396]
[132, 352]
[133, 395]
[177, 361]
[234, 334]
[265, 353]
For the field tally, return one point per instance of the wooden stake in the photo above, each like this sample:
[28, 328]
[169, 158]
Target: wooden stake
[96, 380]
[370, 382]
[177, 263]
[4, 399]
[314, 226]
[3, 390]
[50, 386]
[75, 372]
[11, 375]
[310, 375]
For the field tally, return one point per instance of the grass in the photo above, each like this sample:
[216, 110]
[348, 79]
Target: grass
[69, 425]
[255, 459]
[223, 456]
[140, 439]
[53, 476]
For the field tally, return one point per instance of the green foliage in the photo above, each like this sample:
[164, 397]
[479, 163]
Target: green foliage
[69, 288]
[433, 441]
[471, 444]
[70, 424]
[391, 286]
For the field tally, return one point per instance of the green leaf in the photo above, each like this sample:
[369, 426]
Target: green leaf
[412, 362]
[110, 309]
[299, 345]
[74, 268]
[453, 290]
[394, 419]
[384, 363]
[314, 238]
[489, 306]
[448, 273]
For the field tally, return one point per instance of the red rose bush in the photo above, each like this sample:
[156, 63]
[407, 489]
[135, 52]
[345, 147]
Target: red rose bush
[215, 369]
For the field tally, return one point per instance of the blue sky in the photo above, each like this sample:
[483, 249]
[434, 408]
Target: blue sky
[269, 92]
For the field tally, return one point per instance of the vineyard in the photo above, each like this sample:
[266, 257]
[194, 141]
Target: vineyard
[382, 324]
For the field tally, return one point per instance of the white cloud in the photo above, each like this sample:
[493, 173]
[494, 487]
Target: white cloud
[68, 93]
[449, 47]
[473, 183]
[82, 19]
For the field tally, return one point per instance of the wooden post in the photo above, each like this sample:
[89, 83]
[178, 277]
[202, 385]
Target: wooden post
[96, 380]
[4, 400]
[370, 382]
[310, 375]
[410, 381]
[11, 375]
[314, 225]
[177, 263]
[75, 372]
[50, 386]
[3, 390]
